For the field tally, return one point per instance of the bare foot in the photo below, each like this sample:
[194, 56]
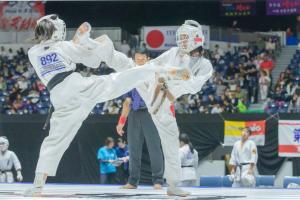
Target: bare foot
[128, 186]
[82, 32]
[157, 187]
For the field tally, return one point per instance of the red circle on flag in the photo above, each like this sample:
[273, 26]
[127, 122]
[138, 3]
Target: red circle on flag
[155, 38]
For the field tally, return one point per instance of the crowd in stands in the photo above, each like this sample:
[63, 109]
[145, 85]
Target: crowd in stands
[242, 76]
[285, 97]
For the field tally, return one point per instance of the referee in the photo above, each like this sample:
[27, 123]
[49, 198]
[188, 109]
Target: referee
[140, 127]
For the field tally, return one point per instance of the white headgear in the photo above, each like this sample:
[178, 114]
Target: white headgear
[60, 27]
[3, 143]
[189, 36]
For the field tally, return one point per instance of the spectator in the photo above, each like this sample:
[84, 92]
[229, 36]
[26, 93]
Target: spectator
[260, 44]
[133, 44]
[125, 48]
[216, 109]
[232, 70]
[107, 155]
[251, 73]
[264, 84]
[23, 84]
[17, 103]
[144, 47]
[241, 106]
[3, 52]
[294, 106]
[123, 154]
[289, 32]
[241, 93]
[3, 85]
[10, 54]
[291, 89]
[270, 46]
[220, 88]
[218, 53]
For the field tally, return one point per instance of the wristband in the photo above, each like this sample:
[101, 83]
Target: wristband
[122, 120]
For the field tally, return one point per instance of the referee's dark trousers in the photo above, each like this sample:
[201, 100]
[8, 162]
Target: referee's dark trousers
[140, 126]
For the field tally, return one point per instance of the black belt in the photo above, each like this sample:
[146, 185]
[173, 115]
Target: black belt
[241, 164]
[4, 171]
[187, 166]
[58, 78]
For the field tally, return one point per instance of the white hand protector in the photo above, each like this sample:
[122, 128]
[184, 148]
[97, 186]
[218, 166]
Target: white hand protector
[189, 36]
[231, 177]
[19, 176]
[4, 144]
[248, 180]
[60, 27]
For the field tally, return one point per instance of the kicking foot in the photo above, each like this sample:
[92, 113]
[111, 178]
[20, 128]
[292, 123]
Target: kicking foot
[157, 187]
[176, 191]
[128, 186]
[33, 192]
[82, 33]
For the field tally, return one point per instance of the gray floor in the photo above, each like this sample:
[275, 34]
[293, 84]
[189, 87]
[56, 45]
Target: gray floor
[91, 192]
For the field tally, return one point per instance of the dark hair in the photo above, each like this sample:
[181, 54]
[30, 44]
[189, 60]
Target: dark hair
[108, 140]
[248, 130]
[186, 140]
[199, 49]
[43, 31]
[121, 140]
[141, 51]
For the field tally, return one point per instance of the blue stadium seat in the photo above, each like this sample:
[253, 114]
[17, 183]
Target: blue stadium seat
[211, 181]
[265, 180]
[290, 179]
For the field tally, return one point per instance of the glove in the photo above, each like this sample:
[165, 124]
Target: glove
[19, 176]
[231, 177]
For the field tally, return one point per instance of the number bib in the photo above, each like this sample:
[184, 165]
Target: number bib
[50, 62]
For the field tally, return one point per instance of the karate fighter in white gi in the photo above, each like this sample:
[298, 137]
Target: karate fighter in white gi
[243, 161]
[188, 55]
[72, 95]
[8, 161]
[189, 161]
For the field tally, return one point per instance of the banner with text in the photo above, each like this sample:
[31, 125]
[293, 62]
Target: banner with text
[283, 7]
[20, 15]
[233, 8]
[164, 37]
[289, 138]
[233, 131]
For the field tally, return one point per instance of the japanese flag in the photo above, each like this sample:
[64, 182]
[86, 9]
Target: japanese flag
[289, 138]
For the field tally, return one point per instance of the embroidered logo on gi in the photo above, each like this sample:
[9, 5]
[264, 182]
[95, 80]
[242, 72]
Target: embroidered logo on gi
[253, 151]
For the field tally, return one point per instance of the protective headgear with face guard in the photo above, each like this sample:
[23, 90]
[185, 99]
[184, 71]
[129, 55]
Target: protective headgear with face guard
[60, 27]
[189, 36]
[3, 144]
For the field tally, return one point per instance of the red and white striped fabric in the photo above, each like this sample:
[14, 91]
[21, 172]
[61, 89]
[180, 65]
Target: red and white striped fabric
[289, 138]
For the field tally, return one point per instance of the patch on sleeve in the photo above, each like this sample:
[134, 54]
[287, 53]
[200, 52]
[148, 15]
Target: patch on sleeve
[253, 151]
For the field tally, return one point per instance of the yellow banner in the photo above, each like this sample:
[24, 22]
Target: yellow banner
[233, 128]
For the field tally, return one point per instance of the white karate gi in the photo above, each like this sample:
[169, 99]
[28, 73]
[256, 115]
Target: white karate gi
[8, 161]
[74, 98]
[164, 119]
[189, 164]
[240, 155]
